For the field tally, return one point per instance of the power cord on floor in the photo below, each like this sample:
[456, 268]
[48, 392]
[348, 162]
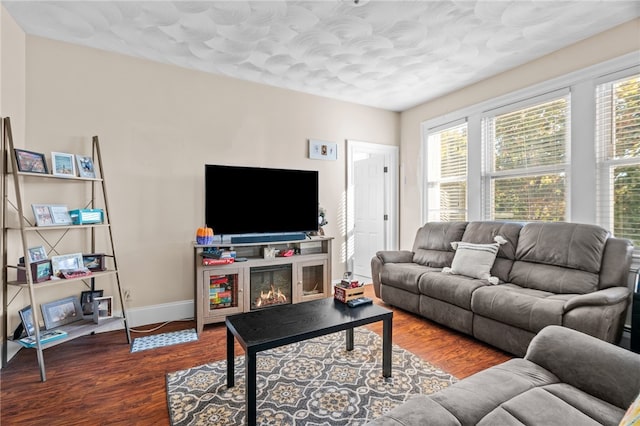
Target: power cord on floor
[133, 330]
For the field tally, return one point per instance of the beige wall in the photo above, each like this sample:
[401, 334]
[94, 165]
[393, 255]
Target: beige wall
[158, 125]
[616, 42]
[12, 103]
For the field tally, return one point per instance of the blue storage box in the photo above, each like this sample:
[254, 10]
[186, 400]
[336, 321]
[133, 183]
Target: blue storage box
[86, 216]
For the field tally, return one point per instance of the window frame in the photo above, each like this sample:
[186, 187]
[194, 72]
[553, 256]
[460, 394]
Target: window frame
[490, 175]
[605, 202]
[582, 179]
[427, 208]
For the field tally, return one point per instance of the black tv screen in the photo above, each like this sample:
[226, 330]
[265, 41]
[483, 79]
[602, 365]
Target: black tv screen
[256, 200]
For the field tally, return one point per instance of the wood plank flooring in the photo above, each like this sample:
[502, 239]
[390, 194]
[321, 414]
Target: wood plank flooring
[96, 380]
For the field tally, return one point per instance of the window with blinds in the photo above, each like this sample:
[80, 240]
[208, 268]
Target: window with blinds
[447, 174]
[618, 142]
[526, 162]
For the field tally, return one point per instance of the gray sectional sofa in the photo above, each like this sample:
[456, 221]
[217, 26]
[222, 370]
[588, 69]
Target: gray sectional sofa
[551, 273]
[565, 378]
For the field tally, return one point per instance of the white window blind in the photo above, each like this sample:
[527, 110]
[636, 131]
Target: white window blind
[618, 142]
[447, 174]
[526, 161]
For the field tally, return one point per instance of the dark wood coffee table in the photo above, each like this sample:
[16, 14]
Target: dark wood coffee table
[285, 324]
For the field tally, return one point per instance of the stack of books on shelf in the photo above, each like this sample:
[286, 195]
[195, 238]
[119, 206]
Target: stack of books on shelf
[220, 292]
[218, 257]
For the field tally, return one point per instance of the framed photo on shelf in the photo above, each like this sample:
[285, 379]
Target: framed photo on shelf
[62, 164]
[26, 316]
[102, 308]
[86, 300]
[94, 262]
[85, 166]
[42, 213]
[40, 271]
[31, 162]
[37, 253]
[66, 261]
[60, 214]
[61, 312]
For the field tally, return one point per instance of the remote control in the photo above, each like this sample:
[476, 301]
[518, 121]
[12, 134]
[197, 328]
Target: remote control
[359, 302]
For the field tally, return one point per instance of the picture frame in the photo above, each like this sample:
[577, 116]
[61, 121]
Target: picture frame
[61, 312]
[26, 317]
[41, 271]
[86, 300]
[85, 166]
[42, 214]
[30, 161]
[62, 164]
[94, 261]
[60, 214]
[66, 261]
[102, 308]
[37, 254]
[321, 150]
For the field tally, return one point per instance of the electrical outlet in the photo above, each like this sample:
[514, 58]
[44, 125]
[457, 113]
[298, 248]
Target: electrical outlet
[127, 296]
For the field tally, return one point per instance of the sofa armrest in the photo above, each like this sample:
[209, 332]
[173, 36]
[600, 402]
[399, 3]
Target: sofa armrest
[608, 296]
[386, 256]
[598, 368]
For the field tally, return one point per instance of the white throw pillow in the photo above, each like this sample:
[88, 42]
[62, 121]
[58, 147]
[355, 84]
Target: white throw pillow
[475, 260]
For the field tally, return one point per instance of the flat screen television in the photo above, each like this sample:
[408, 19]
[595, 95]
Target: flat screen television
[257, 200]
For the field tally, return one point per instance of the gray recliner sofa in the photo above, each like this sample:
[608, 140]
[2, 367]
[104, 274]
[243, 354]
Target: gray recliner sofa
[565, 378]
[549, 273]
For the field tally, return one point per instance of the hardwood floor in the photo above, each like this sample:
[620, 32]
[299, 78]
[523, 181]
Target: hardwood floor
[96, 380]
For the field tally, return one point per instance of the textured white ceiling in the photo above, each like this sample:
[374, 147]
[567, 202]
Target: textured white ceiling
[386, 54]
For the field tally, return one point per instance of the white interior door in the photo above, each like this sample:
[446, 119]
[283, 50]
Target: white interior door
[372, 219]
[368, 227]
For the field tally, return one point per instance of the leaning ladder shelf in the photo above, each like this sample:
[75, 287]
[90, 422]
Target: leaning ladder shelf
[78, 328]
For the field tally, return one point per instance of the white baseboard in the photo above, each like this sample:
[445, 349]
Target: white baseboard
[137, 317]
[154, 314]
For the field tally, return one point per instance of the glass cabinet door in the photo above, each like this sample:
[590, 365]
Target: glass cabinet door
[311, 280]
[222, 292]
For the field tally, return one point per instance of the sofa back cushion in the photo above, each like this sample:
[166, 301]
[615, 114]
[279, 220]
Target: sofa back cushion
[432, 246]
[559, 257]
[484, 233]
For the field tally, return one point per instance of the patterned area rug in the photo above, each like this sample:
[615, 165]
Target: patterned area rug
[164, 339]
[315, 382]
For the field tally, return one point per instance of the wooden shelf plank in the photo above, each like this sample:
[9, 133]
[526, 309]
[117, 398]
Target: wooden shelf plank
[79, 329]
[50, 176]
[64, 280]
[63, 227]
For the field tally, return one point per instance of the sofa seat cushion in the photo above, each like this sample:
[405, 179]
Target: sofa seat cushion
[525, 308]
[453, 289]
[471, 399]
[558, 404]
[404, 276]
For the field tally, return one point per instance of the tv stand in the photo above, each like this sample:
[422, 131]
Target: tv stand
[227, 289]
